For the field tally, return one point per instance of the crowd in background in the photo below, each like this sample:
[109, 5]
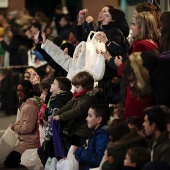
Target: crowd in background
[118, 121]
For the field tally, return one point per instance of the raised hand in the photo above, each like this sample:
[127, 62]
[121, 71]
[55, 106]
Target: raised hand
[43, 37]
[82, 15]
[36, 37]
[89, 19]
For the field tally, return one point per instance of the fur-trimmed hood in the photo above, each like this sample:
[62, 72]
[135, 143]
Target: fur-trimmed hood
[143, 65]
[97, 93]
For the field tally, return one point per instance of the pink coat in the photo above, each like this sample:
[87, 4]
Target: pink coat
[26, 125]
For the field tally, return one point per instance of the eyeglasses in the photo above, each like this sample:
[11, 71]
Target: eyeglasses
[19, 90]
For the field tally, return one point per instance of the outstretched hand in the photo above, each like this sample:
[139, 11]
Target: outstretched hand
[36, 37]
[39, 37]
[43, 37]
[82, 15]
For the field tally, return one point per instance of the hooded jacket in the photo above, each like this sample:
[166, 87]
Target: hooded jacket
[77, 114]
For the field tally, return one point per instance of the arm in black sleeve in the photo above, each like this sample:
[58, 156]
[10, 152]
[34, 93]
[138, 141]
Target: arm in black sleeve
[82, 31]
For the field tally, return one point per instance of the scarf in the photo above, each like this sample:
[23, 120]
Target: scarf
[75, 94]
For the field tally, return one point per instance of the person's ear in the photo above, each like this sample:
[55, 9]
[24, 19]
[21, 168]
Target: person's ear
[111, 138]
[99, 120]
[154, 125]
[133, 165]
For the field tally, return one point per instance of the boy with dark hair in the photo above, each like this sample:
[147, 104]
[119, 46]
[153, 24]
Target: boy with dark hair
[136, 158]
[134, 122]
[73, 114]
[91, 156]
[155, 127]
[60, 89]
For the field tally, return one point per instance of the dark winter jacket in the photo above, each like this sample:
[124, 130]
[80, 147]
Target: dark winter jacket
[117, 33]
[117, 150]
[75, 111]
[82, 31]
[57, 101]
[161, 150]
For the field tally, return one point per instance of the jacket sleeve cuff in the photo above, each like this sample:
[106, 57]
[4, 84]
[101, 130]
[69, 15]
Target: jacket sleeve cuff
[43, 45]
[61, 118]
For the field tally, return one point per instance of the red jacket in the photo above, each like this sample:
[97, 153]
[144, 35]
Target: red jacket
[133, 105]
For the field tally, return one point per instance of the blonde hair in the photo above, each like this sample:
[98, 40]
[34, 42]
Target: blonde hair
[147, 25]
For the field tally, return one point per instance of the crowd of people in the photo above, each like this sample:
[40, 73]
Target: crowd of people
[117, 122]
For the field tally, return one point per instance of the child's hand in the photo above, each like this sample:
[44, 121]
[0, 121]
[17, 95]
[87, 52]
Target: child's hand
[46, 139]
[43, 37]
[56, 117]
[36, 37]
[87, 142]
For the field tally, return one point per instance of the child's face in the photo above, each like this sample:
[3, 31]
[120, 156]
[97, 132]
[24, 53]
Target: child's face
[45, 123]
[132, 126]
[78, 88]
[127, 161]
[55, 86]
[78, 52]
[92, 120]
[115, 116]
[27, 76]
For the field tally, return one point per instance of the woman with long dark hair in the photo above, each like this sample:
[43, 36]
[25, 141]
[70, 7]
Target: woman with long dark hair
[26, 123]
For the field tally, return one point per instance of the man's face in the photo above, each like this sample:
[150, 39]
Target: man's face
[149, 128]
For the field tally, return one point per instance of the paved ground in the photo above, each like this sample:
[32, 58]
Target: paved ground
[4, 122]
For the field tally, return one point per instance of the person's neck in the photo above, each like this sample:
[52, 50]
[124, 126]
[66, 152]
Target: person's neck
[156, 135]
[97, 127]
